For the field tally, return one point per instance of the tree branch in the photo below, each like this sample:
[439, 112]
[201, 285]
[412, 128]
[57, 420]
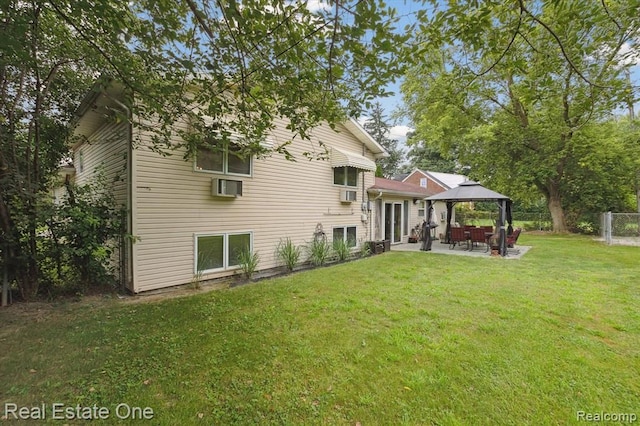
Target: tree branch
[81, 32]
[606, 10]
[504, 52]
[559, 42]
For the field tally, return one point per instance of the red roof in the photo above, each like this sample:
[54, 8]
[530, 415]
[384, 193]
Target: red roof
[400, 188]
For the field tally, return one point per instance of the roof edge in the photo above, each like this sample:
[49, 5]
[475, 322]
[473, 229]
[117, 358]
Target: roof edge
[359, 132]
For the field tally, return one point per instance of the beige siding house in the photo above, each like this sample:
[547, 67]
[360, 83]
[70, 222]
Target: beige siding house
[189, 218]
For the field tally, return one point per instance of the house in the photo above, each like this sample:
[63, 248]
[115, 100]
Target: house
[189, 218]
[435, 182]
[400, 208]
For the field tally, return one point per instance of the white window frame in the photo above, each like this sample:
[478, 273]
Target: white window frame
[423, 182]
[225, 250]
[344, 184]
[225, 166]
[344, 232]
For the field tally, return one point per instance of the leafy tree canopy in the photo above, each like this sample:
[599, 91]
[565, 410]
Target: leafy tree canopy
[427, 157]
[513, 89]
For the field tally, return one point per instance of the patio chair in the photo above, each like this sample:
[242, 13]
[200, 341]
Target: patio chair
[513, 238]
[476, 236]
[457, 237]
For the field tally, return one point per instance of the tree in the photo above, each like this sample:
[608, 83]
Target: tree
[242, 64]
[40, 79]
[426, 157]
[511, 88]
[378, 128]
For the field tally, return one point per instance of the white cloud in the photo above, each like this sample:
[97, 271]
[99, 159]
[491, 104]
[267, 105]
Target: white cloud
[399, 133]
[316, 5]
[629, 55]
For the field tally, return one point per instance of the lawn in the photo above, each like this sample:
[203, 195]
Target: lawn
[398, 338]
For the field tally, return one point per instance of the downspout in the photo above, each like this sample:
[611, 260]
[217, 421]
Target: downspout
[366, 211]
[128, 240]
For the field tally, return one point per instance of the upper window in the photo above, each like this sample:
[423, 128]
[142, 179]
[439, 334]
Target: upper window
[226, 161]
[346, 176]
[423, 182]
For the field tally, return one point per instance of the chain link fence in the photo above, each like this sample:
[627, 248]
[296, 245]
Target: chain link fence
[620, 228]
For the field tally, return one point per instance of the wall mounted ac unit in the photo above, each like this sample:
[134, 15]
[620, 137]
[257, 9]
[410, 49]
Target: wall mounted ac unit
[226, 188]
[348, 196]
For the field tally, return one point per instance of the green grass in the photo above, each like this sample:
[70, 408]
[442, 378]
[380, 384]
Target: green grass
[399, 338]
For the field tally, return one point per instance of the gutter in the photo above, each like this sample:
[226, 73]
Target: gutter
[398, 193]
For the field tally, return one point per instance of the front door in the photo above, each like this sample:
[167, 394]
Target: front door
[393, 222]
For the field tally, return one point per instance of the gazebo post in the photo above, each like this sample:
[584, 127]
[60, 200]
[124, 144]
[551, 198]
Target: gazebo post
[426, 229]
[503, 234]
[447, 232]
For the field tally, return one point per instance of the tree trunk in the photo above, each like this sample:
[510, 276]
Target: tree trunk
[554, 203]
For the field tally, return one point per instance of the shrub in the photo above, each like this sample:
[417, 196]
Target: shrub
[288, 253]
[79, 239]
[319, 252]
[586, 228]
[248, 261]
[341, 249]
[365, 249]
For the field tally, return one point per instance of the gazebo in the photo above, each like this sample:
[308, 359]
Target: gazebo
[466, 192]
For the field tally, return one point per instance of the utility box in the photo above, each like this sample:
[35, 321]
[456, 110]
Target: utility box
[377, 247]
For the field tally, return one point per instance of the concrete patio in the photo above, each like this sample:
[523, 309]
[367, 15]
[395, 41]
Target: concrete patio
[438, 248]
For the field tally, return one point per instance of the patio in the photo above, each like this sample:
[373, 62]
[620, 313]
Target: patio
[439, 248]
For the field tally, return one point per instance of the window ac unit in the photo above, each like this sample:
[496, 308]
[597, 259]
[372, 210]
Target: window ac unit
[348, 196]
[226, 188]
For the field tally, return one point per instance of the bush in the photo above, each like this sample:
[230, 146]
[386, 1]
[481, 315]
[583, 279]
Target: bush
[341, 249]
[365, 249]
[586, 228]
[79, 240]
[288, 253]
[319, 252]
[248, 261]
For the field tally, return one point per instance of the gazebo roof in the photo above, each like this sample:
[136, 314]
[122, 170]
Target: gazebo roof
[468, 191]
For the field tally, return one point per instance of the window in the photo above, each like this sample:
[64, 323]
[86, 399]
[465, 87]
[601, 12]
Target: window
[345, 176]
[421, 208]
[423, 182]
[346, 233]
[220, 251]
[226, 161]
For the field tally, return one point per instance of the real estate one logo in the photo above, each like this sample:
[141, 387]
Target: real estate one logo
[60, 411]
